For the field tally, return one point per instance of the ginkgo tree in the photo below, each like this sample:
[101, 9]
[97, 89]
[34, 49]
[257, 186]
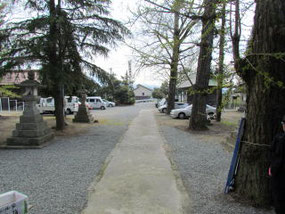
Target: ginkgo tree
[166, 38]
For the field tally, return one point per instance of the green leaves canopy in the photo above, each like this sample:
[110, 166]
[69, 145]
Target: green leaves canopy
[62, 39]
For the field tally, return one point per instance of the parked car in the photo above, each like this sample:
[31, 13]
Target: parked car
[109, 103]
[160, 103]
[47, 105]
[88, 106]
[177, 105]
[71, 104]
[186, 112]
[96, 103]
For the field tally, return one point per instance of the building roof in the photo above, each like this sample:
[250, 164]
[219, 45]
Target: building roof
[139, 85]
[16, 77]
[187, 84]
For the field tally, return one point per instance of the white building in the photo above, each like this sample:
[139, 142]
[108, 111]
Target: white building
[184, 87]
[141, 92]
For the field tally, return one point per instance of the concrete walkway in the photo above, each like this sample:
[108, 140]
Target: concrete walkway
[138, 178]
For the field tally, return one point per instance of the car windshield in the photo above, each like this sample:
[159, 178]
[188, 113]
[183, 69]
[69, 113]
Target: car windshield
[208, 106]
[189, 107]
[162, 101]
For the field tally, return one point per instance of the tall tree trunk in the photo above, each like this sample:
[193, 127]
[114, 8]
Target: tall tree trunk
[56, 64]
[59, 107]
[174, 62]
[263, 72]
[198, 119]
[221, 64]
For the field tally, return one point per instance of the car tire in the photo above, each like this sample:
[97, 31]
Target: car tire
[68, 111]
[181, 116]
[110, 105]
[211, 115]
[102, 108]
[164, 110]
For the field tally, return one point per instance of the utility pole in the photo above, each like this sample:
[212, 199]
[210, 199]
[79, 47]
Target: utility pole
[130, 72]
[111, 81]
[130, 69]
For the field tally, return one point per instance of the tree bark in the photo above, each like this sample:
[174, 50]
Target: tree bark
[198, 119]
[263, 72]
[55, 64]
[174, 64]
[59, 108]
[221, 65]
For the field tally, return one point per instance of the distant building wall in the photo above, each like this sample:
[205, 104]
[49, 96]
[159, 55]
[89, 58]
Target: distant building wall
[184, 87]
[16, 77]
[184, 96]
[211, 99]
[142, 92]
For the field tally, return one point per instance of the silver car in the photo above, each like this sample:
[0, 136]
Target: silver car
[109, 103]
[177, 105]
[186, 112]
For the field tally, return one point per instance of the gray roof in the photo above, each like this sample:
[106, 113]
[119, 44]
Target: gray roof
[187, 84]
[139, 85]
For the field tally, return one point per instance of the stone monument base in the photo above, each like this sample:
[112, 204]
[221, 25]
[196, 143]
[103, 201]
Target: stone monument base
[83, 115]
[31, 133]
[30, 143]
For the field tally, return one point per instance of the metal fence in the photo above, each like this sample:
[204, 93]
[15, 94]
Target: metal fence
[8, 104]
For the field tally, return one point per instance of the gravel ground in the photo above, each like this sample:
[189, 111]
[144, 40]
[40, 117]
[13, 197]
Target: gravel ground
[56, 178]
[203, 165]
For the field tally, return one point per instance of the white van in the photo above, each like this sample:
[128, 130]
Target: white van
[96, 103]
[46, 105]
[72, 104]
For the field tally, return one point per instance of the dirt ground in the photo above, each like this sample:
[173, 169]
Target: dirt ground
[8, 122]
[219, 132]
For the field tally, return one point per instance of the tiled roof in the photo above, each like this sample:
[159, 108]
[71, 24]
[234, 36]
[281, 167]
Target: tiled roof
[187, 84]
[139, 85]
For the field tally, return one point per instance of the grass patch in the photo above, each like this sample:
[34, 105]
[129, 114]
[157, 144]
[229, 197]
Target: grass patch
[228, 123]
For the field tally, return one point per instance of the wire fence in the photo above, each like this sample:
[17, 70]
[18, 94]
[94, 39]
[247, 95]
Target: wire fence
[8, 104]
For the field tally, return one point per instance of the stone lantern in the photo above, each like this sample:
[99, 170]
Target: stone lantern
[32, 131]
[83, 115]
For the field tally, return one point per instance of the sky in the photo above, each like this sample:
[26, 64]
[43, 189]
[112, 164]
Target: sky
[117, 60]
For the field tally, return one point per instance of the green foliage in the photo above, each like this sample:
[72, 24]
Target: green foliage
[90, 86]
[73, 89]
[123, 95]
[8, 91]
[107, 90]
[164, 88]
[161, 92]
[62, 38]
[116, 90]
[5, 90]
[157, 93]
